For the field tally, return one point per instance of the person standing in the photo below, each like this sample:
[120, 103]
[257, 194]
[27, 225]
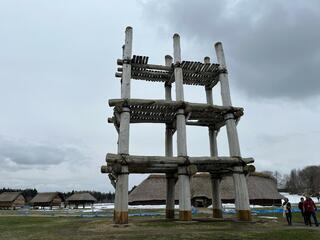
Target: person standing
[300, 206]
[287, 210]
[310, 209]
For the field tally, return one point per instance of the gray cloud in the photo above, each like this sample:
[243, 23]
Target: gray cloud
[272, 46]
[15, 154]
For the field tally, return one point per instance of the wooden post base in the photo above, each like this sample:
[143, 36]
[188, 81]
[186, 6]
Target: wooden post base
[216, 213]
[169, 213]
[185, 216]
[120, 217]
[244, 215]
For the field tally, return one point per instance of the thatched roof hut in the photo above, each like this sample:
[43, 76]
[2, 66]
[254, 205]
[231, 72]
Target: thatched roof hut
[47, 199]
[11, 200]
[262, 190]
[81, 198]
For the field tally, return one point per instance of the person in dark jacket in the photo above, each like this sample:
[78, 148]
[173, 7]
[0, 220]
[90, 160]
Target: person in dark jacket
[310, 209]
[287, 210]
[300, 206]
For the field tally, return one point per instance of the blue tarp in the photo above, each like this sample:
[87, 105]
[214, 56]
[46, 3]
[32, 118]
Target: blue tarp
[276, 210]
[262, 211]
[144, 214]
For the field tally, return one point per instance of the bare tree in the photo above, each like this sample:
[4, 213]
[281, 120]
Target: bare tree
[305, 181]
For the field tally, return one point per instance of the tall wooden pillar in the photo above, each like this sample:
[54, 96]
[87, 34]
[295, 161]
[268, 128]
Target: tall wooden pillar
[183, 177]
[215, 180]
[171, 180]
[121, 193]
[239, 180]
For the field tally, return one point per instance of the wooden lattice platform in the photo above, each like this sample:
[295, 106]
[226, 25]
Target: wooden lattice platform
[163, 111]
[194, 73]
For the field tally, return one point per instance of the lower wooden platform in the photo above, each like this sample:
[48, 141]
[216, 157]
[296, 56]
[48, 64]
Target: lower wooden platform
[160, 164]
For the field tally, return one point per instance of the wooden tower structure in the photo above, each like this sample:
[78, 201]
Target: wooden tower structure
[176, 114]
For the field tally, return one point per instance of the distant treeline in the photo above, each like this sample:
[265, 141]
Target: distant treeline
[299, 181]
[304, 181]
[30, 193]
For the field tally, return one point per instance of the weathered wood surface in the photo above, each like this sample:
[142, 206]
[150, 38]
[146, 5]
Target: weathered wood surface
[218, 169]
[217, 166]
[169, 142]
[169, 169]
[216, 198]
[213, 144]
[202, 123]
[240, 184]
[121, 197]
[176, 49]
[184, 195]
[138, 159]
[121, 191]
[126, 75]
[170, 178]
[181, 133]
[183, 176]
[179, 84]
[123, 137]
[167, 85]
[215, 181]
[128, 44]
[223, 77]
[209, 96]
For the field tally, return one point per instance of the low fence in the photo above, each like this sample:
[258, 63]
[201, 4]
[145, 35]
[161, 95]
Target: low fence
[143, 212]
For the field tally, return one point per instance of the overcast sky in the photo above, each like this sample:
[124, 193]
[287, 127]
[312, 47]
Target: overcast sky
[57, 64]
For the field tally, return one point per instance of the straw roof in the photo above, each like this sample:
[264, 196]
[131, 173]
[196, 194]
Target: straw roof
[153, 189]
[9, 196]
[45, 197]
[81, 197]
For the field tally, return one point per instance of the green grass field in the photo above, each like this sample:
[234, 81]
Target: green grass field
[70, 227]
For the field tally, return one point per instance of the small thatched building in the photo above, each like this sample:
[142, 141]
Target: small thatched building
[47, 199]
[11, 200]
[262, 190]
[81, 198]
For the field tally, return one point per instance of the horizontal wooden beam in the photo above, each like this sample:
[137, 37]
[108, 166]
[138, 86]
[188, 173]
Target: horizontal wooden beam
[221, 169]
[150, 160]
[189, 123]
[134, 169]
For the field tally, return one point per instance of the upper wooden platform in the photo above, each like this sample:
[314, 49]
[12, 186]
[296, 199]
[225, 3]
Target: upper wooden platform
[194, 73]
[163, 111]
